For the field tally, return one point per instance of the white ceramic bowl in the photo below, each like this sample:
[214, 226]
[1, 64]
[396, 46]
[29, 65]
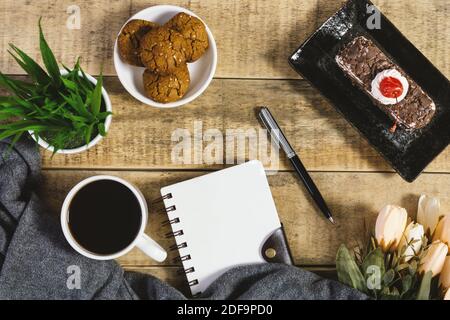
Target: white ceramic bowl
[94, 141]
[201, 71]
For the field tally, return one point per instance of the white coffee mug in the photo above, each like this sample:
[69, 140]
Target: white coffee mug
[142, 241]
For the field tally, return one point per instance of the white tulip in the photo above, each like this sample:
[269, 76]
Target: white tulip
[442, 231]
[447, 295]
[428, 213]
[434, 258]
[412, 238]
[390, 225]
[444, 278]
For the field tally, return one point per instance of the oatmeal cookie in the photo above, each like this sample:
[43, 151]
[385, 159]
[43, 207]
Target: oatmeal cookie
[163, 50]
[129, 40]
[194, 31]
[167, 88]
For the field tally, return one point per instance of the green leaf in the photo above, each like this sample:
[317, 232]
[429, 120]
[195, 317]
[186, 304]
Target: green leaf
[30, 66]
[66, 68]
[24, 103]
[89, 133]
[69, 84]
[374, 258]
[395, 292]
[389, 294]
[16, 138]
[348, 271]
[86, 81]
[8, 83]
[402, 266]
[49, 59]
[388, 277]
[412, 267]
[406, 283]
[79, 108]
[373, 268]
[88, 99]
[23, 125]
[425, 287]
[25, 89]
[5, 116]
[385, 292]
[103, 115]
[101, 129]
[6, 102]
[80, 102]
[96, 99]
[75, 118]
[11, 132]
[394, 259]
[9, 112]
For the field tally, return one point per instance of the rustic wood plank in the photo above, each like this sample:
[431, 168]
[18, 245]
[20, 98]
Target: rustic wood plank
[354, 198]
[254, 38]
[100, 23]
[140, 136]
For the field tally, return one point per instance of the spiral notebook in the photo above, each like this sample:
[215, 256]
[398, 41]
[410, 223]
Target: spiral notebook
[224, 219]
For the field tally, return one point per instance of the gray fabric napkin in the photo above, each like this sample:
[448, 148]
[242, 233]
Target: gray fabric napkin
[36, 262]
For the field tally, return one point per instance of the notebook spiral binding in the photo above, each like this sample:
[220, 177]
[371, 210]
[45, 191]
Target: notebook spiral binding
[178, 246]
[177, 233]
[172, 221]
[160, 199]
[180, 259]
[174, 234]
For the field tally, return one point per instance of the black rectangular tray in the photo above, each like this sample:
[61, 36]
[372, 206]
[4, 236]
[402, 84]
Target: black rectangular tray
[408, 152]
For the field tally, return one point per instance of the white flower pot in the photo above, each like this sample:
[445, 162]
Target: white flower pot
[94, 141]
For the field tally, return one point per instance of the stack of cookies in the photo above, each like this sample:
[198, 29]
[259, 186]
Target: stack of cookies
[164, 51]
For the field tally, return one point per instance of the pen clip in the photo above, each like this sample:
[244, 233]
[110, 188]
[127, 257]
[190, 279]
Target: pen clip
[275, 131]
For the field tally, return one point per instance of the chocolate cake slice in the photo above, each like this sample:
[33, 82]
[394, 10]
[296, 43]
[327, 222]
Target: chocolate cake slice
[364, 63]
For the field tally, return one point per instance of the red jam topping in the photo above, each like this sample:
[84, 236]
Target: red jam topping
[391, 87]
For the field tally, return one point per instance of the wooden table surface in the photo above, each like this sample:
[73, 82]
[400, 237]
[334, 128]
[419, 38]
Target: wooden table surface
[254, 39]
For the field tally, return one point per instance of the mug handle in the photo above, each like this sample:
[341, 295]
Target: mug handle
[151, 248]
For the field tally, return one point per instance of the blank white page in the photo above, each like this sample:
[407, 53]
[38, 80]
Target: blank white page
[226, 216]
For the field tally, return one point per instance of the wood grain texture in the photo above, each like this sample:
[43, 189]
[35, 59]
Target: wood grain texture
[254, 38]
[354, 199]
[140, 136]
[100, 23]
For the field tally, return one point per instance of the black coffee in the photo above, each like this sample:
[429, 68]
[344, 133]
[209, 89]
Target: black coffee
[104, 217]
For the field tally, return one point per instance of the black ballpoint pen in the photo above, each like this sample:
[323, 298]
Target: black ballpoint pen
[276, 133]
